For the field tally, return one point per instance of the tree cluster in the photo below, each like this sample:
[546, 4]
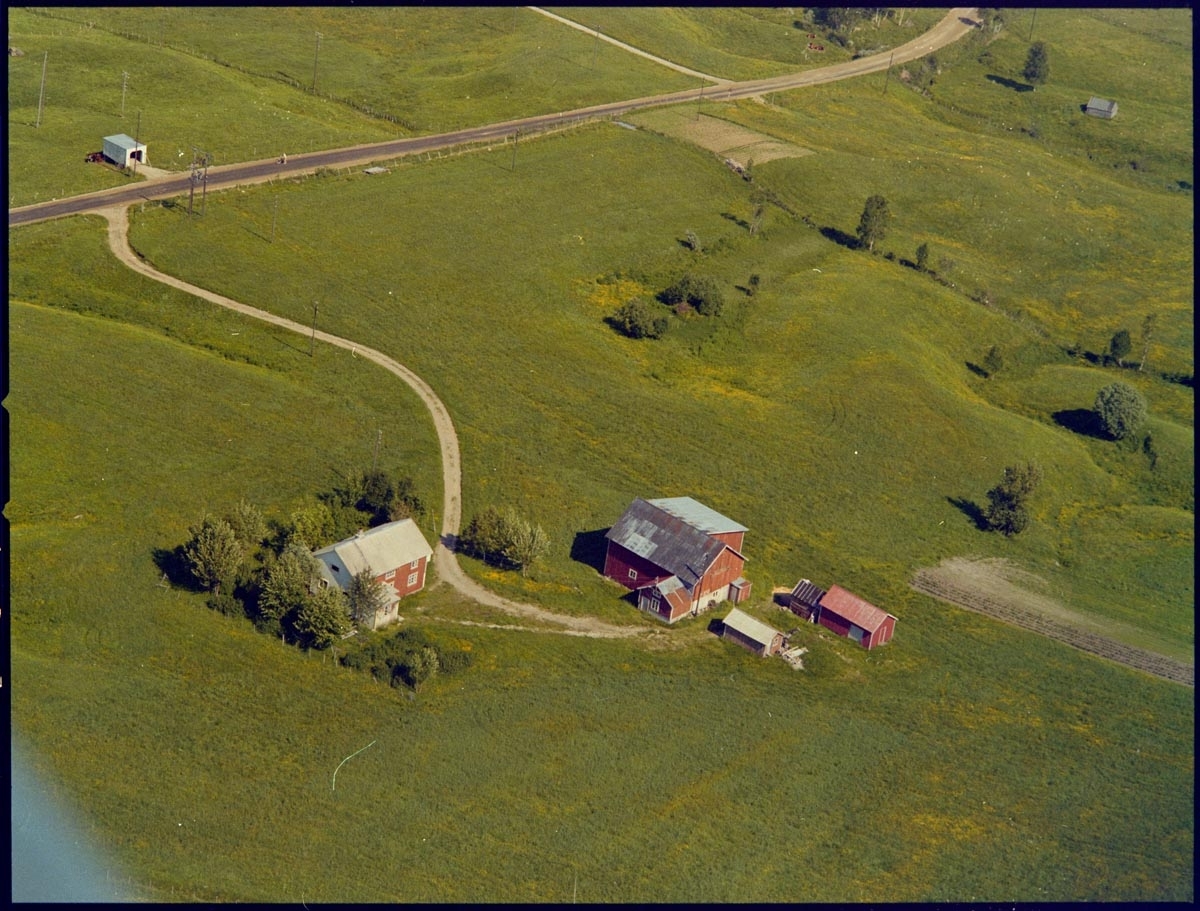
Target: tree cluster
[695, 292]
[272, 577]
[1037, 64]
[406, 658]
[1007, 510]
[636, 319]
[504, 539]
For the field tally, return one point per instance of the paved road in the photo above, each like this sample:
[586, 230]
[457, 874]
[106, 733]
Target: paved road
[956, 23]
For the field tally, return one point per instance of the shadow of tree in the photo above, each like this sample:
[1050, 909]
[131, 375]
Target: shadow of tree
[971, 510]
[174, 565]
[740, 222]
[840, 237]
[589, 548]
[1083, 421]
[1010, 83]
[977, 370]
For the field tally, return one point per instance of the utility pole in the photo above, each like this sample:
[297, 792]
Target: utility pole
[124, 82]
[595, 47]
[312, 343]
[316, 58]
[192, 182]
[375, 457]
[699, 101]
[1031, 21]
[274, 218]
[516, 139]
[42, 91]
[204, 192]
[136, 136]
[889, 72]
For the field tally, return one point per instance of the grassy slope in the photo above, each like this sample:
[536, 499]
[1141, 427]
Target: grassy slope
[984, 762]
[236, 82]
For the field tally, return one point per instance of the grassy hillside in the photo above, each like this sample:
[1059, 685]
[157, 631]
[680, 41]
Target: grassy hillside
[838, 412]
[237, 82]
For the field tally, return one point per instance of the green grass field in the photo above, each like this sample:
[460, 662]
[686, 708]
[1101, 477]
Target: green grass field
[834, 413]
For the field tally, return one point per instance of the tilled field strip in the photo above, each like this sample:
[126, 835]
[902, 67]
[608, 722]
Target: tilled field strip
[929, 583]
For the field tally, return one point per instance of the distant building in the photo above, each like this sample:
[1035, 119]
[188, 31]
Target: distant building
[1099, 107]
[123, 150]
[680, 556]
[752, 635]
[849, 615]
[397, 555]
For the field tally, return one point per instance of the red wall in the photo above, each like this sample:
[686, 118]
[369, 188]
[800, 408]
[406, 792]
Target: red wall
[618, 561]
[881, 636]
[400, 581]
[841, 626]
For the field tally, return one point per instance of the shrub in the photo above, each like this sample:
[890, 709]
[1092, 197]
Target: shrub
[636, 320]
[1121, 409]
[699, 292]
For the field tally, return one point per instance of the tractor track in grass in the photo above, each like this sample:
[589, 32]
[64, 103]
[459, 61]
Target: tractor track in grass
[936, 583]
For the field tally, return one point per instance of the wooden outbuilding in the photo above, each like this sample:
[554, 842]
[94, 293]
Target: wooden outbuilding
[124, 150]
[848, 615]
[1100, 107]
[680, 556]
[805, 600]
[751, 634]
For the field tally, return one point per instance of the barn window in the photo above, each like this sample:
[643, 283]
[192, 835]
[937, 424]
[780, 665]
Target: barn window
[412, 580]
[414, 564]
[389, 575]
[633, 574]
[335, 567]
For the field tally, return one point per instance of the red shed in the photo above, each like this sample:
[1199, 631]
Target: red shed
[849, 615]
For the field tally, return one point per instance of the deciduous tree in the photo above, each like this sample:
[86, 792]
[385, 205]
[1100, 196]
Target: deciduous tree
[873, 225]
[1121, 409]
[1037, 64]
[1006, 510]
[286, 583]
[367, 596]
[323, 617]
[527, 542]
[1119, 346]
[636, 320]
[213, 553]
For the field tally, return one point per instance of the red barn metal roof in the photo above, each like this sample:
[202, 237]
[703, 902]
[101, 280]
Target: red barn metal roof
[669, 541]
[861, 613]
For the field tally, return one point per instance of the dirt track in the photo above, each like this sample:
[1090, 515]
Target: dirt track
[958, 583]
[448, 569]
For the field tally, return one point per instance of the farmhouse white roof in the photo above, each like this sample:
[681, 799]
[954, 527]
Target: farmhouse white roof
[697, 515]
[382, 549]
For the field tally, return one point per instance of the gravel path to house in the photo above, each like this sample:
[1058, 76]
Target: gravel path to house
[445, 561]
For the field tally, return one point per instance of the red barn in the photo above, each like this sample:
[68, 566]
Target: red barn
[849, 615]
[679, 556]
[396, 554]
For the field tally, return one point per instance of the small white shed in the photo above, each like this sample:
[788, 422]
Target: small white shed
[123, 150]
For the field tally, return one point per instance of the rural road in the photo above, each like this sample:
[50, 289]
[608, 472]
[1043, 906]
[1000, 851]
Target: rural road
[952, 27]
[113, 205]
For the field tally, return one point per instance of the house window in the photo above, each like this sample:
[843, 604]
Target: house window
[412, 579]
[389, 575]
[633, 574]
[414, 564]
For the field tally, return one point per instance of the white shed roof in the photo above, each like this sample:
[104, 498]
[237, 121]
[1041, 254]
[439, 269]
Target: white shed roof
[752, 629]
[122, 141]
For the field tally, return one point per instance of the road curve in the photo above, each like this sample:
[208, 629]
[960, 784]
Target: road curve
[953, 26]
[445, 561]
[113, 205]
